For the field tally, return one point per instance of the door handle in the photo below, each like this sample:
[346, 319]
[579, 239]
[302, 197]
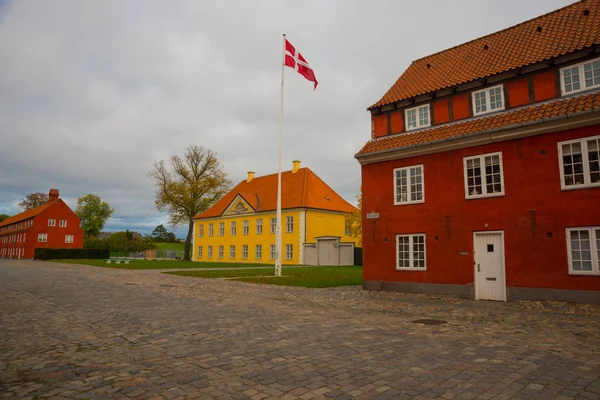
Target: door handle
[478, 268]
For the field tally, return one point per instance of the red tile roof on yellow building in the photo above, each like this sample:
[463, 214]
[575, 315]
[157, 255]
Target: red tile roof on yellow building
[509, 119]
[26, 214]
[560, 32]
[302, 189]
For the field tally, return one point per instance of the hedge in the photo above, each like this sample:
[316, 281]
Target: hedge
[60, 254]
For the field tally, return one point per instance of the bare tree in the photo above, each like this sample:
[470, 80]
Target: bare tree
[188, 186]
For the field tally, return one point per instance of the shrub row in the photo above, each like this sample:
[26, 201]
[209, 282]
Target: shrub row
[58, 254]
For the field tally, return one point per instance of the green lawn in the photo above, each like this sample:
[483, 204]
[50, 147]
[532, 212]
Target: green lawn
[159, 264]
[312, 277]
[170, 246]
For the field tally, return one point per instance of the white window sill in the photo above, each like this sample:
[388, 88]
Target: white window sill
[579, 187]
[488, 112]
[484, 196]
[411, 269]
[584, 273]
[406, 203]
[417, 128]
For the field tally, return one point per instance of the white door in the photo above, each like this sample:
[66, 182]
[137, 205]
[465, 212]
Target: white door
[490, 283]
[327, 250]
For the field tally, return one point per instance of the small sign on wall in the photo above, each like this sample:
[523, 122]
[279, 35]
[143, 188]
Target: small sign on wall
[372, 215]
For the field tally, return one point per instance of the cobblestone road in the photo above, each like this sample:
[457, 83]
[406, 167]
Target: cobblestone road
[71, 331]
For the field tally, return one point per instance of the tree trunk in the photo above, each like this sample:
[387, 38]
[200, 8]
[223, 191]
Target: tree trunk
[188, 241]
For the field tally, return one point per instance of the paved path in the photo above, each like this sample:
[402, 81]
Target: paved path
[69, 331]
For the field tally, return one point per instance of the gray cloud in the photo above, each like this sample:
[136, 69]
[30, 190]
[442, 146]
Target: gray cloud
[91, 93]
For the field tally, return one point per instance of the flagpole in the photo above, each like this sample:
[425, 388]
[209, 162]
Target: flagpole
[278, 226]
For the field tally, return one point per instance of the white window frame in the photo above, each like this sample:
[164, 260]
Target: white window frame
[418, 125]
[233, 228]
[593, 249]
[581, 71]
[42, 237]
[221, 228]
[487, 99]
[258, 251]
[210, 251]
[484, 193]
[211, 229]
[221, 251]
[244, 252]
[289, 224]
[408, 185]
[259, 226]
[199, 252]
[411, 256]
[246, 227]
[587, 183]
[68, 238]
[273, 225]
[62, 223]
[51, 222]
[201, 230]
[289, 251]
[232, 251]
[272, 252]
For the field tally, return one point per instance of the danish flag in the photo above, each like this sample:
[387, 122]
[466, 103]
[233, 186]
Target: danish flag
[295, 60]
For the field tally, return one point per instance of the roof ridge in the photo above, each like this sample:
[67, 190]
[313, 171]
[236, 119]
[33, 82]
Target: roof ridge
[500, 31]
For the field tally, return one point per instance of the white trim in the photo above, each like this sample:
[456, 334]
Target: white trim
[43, 236]
[234, 202]
[593, 249]
[504, 291]
[411, 259]
[302, 236]
[581, 73]
[417, 123]
[408, 190]
[484, 193]
[586, 164]
[51, 222]
[69, 236]
[487, 99]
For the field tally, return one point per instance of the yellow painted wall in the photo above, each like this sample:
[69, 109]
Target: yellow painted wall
[266, 239]
[323, 223]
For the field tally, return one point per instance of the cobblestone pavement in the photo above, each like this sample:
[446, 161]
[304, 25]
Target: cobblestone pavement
[69, 331]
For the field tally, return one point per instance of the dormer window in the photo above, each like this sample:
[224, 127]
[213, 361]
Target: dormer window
[417, 117]
[488, 100]
[580, 77]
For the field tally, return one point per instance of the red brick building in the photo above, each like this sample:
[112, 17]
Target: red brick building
[52, 225]
[482, 175]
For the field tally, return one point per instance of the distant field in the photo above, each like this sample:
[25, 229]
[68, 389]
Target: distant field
[311, 277]
[170, 246]
[160, 264]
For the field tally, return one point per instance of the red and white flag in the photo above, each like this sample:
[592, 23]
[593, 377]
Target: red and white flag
[295, 60]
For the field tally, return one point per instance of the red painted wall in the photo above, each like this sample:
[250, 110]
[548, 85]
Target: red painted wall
[544, 86]
[56, 234]
[397, 121]
[532, 183]
[379, 125]
[440, 111]
[518, 92]
[460, 106]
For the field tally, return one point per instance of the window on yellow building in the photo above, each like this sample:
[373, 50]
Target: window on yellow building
[289, 224]
[201, 230]
[221, 251]
[199, 251]
[209, 251]
[289, 251]
[259, 226]
[221, 228]
[273, 225]
[246, 226]
[233, 228]
[211, 230]
[259, 251]
[232, 251]
[244, 251]
[273, 252]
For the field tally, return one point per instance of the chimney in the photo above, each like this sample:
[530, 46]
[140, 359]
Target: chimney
[250, 176]
[53, 195]
[295, 166]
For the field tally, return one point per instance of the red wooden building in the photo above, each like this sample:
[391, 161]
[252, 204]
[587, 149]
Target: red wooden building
[482, 175]
[52, 225]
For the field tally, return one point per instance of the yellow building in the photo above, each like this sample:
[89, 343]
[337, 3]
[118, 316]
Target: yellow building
[241, 226]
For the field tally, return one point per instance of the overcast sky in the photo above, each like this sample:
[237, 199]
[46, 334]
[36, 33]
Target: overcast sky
[92, 92]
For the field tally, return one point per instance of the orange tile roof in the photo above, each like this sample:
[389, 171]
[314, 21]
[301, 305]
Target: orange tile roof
[562, 31]
[26, 214]
[301, 189]
[572, 105]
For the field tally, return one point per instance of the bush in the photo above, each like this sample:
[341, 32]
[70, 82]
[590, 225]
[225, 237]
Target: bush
[60, 254]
